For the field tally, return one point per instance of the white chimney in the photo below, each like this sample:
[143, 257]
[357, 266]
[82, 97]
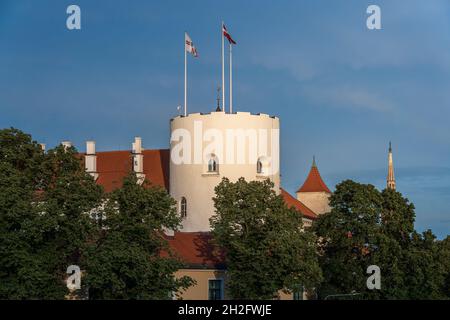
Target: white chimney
[90, 159]
[43, 146]
[137, 145]
[90, 147]
[138, 159]
[66, 144]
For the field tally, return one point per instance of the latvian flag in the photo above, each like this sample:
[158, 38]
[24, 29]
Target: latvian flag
[189, 46]
[227, 35]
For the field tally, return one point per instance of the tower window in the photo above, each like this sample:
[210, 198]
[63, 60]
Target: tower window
[262, 166]
[183, 207]
[213, 166]
[259, 167]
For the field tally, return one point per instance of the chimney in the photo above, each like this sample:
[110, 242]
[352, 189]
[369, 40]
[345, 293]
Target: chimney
[43, 146]
[137, 145]
[138, 159]
[66, 144]
[90, 159]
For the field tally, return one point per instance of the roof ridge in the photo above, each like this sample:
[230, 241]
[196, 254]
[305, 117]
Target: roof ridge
[128, 150]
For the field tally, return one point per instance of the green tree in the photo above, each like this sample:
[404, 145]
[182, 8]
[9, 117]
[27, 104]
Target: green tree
[45, 203]
[425, 271]
[23, 271]
[368, 227]
[126, 260]
[23, 154]
[444, 258]
[265, 247]
[349, 234]
[68, 204]
[398, 216]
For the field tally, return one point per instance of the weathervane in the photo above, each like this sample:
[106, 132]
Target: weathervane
[218, 109]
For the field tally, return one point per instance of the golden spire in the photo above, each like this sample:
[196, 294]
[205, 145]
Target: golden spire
[390, 177]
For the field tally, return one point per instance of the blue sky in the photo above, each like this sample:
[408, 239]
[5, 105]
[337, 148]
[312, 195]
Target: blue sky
[341, 91]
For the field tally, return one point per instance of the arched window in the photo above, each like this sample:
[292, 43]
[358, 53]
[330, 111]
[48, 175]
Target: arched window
[213, 166]
[183, 207]
[259, 167]
[262, 166]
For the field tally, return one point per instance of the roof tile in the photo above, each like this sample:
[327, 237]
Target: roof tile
[302, 208]
[197, 250]
[114, 166]
[314, 182]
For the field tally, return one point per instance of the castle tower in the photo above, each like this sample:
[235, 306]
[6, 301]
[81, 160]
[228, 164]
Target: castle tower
[314, 193]
[390, 176]
[204, 148]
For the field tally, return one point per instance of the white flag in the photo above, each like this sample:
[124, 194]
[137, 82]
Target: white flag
[189, 45]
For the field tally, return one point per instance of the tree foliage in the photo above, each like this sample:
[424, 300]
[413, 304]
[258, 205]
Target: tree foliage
[44, 220]
[368, 227]
[126, 261]
[266, 249]
[49, 208]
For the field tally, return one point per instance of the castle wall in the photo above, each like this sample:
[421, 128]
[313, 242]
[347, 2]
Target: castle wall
[316, 201]
[196, 137]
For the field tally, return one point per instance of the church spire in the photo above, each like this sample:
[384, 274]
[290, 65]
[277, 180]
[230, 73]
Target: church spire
[390, 177]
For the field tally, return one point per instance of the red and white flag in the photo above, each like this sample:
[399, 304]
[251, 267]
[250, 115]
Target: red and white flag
[189, 46]
[227, 35]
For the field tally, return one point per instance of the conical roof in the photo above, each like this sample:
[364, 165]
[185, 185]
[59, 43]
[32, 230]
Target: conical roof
[314, 182]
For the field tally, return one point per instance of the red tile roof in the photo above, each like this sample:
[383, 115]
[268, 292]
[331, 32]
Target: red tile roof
[314, 182]
[113, 166]
[292, 202]
[196, 250]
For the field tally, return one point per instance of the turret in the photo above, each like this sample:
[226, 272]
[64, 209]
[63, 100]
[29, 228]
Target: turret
[314, 193]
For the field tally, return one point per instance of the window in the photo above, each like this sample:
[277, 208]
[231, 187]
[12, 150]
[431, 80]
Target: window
[183, 207]
[212, 164]
[215, 291]
[298, 294]
[262, 166]
[259, 167]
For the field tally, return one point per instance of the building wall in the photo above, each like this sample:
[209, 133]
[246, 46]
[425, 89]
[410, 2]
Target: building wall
[316, 201]
[192, 181]
[290, 296]
[199, 291]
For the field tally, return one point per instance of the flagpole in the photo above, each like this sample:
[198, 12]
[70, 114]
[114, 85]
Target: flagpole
[223, 70]
[231, 79]
[185, 77]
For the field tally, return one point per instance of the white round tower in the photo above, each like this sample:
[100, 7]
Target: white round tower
[206, 147]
